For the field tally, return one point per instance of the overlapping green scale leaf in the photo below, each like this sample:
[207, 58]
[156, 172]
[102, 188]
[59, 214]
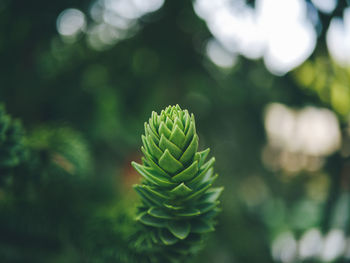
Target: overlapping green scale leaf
[179, 204]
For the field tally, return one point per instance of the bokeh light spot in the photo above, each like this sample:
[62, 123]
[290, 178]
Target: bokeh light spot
[218, 55]
[325, 6]
[70, 22]
[338, 38]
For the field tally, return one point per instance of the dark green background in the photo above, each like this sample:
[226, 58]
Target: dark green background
[105, 96]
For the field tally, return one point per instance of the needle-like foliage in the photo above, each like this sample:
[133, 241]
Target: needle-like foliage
[11, 142]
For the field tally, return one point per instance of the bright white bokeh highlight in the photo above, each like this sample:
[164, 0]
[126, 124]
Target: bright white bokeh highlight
[284, 248]
[277, 30]
[338, 38]
[312, 131]
[325, 6]
[334, 245]
[70, 22]
[115, 20]
[218, 55]
[148, 6]
[310, 244]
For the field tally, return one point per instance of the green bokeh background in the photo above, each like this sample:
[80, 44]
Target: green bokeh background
[98, 100]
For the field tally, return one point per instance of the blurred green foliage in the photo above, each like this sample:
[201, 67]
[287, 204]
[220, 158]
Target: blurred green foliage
[84, 109]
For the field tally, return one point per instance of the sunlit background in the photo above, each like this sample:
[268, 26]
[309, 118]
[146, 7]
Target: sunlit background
[268, 82]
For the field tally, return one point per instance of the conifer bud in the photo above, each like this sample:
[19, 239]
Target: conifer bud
[179, 203]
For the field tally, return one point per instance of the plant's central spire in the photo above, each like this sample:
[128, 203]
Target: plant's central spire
[178, 201]
[171, 139]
